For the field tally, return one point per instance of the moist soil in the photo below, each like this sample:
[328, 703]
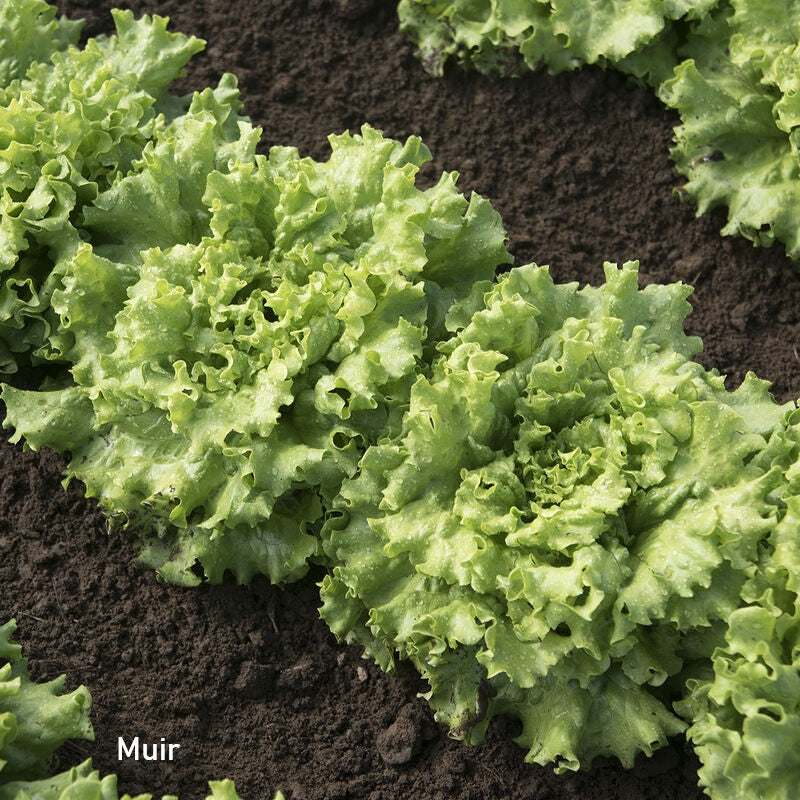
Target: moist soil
[248, 679]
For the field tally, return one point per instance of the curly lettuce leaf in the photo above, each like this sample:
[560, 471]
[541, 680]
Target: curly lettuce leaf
[744, 713]
[485, 34]
[35, 718]
[765, 34]
[225, 790]
[225, 387]
[159, 203]
[610, 30]
[76, 783]
[736, 93]
[69, 128]
[569, 498]
[31, 34]
[84, 783]
[510, 35]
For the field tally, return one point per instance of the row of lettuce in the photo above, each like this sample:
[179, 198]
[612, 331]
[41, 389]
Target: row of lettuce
[35, 720]
[259, 362]
[729, 68]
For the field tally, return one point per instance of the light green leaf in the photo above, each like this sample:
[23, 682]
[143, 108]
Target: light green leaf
[71, 125]
[744, 717]
[35, 718]
[518, 35]
[30, 33]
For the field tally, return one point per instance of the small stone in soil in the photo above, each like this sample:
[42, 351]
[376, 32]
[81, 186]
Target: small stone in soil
[254, 680]
[404, 738]
[352, 9]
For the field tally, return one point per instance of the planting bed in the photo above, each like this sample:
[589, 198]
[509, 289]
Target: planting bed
[247, 679]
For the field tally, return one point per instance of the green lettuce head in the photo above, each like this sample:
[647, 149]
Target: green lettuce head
[225, 386]
[565, 519]
[72, 121]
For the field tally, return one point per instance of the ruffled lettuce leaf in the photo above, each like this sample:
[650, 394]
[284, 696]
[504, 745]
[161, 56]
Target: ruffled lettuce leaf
[76, 783]
[565, 519]
[511, 35]
[225, 386]
[736, 93]
[159, 203]
[35, 718]
[72, 121]
[610, 30]
[84, 783]
[485, 34]
[744, 709]
[766, 35]
[31, 34]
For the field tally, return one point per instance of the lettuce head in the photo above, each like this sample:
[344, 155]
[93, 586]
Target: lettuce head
[564, 520]
[223, 385]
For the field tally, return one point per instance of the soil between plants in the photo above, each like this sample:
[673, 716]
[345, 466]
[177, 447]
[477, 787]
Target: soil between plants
[247, 679]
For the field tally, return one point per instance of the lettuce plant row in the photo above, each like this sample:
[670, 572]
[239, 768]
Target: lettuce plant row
[528, 489]
[730, 69]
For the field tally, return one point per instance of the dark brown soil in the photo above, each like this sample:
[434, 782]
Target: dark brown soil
[247, 679]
